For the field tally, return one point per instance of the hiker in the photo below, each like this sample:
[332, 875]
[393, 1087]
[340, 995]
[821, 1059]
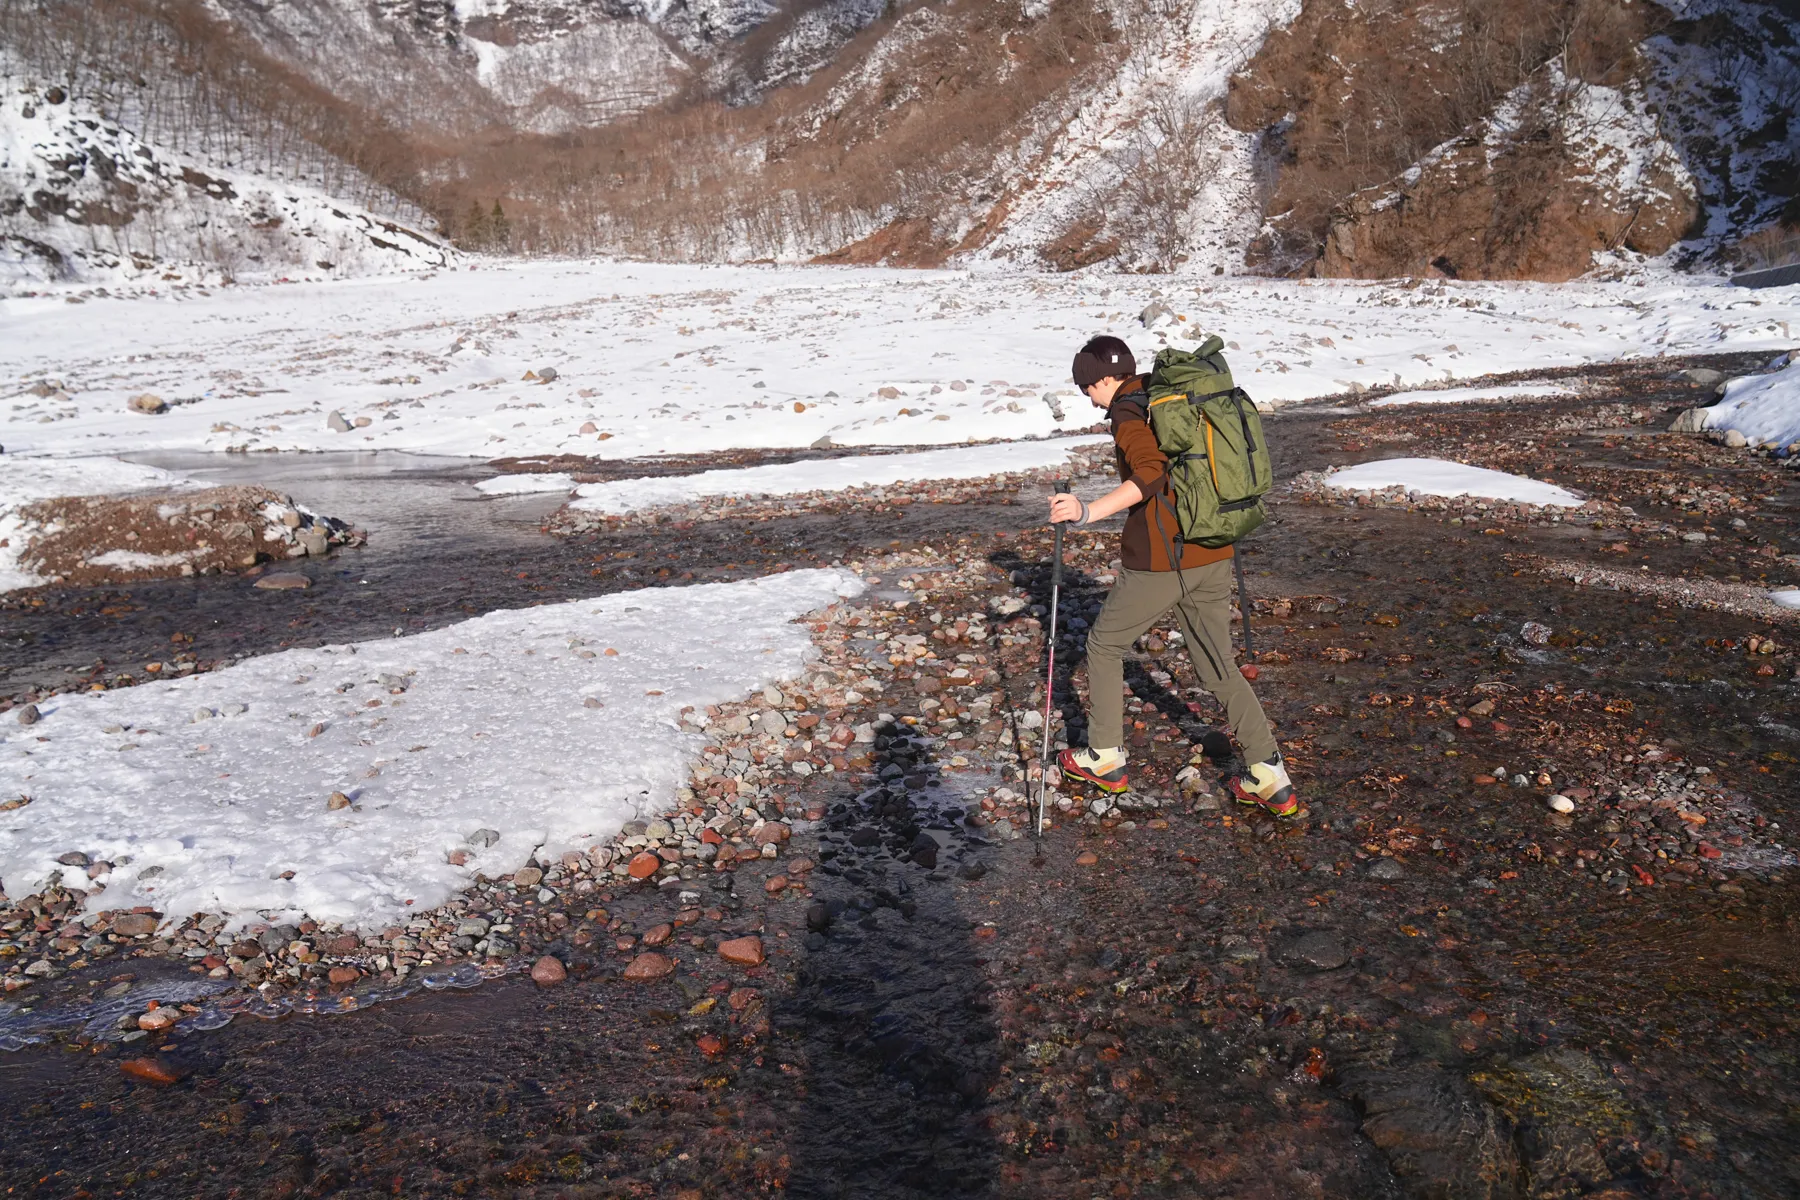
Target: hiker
[1150, 584]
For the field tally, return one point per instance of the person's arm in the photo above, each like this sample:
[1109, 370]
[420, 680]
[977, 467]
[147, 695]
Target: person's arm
[1067, 508]
[1137, 444]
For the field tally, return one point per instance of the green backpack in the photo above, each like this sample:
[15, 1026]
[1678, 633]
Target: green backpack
[1212, 436]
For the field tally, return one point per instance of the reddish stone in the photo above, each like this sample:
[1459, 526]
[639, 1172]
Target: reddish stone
[1250, 671]
[773, 832]
[247, 949]
[341, 975]
[1710, 851]
[1086, 858]
[548, 971]
[649, 965]
[742, 998]
[710, 837]
[212, 962]
[775, 884]
[344, 943]
[710, 1045]
[659, 934]
[807, 720]
[159, 1018]
[1484, 780]
[150, 1070]
[1464, 723]
[744, 951]
[1502, 727]
[643, 865]
[799, 866]
[624, 944]
[134, 924]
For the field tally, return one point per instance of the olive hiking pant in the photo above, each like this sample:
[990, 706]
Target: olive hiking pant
[1201, 599]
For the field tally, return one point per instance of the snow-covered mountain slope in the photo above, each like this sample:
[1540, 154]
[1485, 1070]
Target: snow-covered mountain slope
[83, 200]
[1561, 176]
[1146, 172]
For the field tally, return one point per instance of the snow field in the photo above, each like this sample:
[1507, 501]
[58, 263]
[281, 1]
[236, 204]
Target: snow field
[692, 359]
[620, 496]
[1440, 477]
[211, 793]
[24, 481]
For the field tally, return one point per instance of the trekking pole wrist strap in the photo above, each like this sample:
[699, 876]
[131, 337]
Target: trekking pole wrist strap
[1084, 512]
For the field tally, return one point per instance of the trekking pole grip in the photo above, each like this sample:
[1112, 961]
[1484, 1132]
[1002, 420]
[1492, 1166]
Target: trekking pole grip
[1059, 487]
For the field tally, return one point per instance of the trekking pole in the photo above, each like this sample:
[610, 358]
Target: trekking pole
[1058, 488]
[1237, 563]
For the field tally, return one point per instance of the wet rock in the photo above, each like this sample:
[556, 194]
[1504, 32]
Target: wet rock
[1535, 632]
[527, 877]
[818, 918]
[644, 865]
[774, 885]
[657, 935]
[341, 975]
[1318, 950]
[709, 1045]
[471, 927]
[1439, 1136]
[1086, 858]
[548, 971]
[244, 949]
[73, 858]
[1560, 803]
[314, 541]
[152, 1070]
[744, 951]
[1386, 869]
[282, 581]
[649, 965]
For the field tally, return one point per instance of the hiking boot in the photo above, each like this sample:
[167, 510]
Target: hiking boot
[1266, 785]
[1105, 769]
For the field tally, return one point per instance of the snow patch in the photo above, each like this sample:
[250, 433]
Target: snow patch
[1786, 597]
[215, 786]
[1764, 408]
[1504, 391]
[526, 484]
[1440, 477]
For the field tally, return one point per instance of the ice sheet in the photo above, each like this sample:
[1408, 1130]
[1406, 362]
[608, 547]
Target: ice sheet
[826, 474]
[491, 732]
[1440, 477]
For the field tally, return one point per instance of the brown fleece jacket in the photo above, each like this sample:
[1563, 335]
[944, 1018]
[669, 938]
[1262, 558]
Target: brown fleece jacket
[1151, 528]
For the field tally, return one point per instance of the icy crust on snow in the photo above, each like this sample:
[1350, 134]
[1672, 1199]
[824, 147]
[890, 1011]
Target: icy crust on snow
[1786, 597]
[621, 496]
[215, 812]
[1764, 408]
[668, 358]
[97, 205]
[1440, 477]
[1469, 395]
[25, 481]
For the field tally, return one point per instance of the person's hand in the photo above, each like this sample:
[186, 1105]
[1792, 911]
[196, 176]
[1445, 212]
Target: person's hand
[1065, 508]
